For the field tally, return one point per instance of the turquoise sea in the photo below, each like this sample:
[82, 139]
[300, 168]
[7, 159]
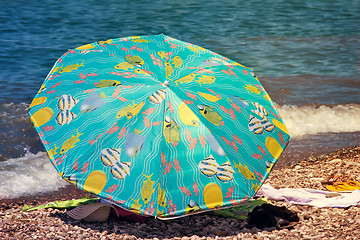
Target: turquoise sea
[305, 53]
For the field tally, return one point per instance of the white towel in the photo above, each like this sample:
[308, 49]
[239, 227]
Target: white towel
[311, 197]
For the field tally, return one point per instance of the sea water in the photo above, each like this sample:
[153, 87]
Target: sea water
[305, 53]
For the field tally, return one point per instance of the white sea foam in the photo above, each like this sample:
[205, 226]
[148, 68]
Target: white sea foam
[33, 173]
[303, 120]
[29, 174]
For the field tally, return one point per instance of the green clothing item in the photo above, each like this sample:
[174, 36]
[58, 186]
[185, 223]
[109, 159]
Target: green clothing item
[63, 204]
[240, 212]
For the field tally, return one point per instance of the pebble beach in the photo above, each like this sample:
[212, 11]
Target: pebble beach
[304, 53]
[315, 223]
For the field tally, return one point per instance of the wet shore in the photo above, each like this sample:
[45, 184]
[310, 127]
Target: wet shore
[315, 223]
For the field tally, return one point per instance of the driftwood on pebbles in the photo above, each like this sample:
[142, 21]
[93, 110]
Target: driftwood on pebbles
[315, 223]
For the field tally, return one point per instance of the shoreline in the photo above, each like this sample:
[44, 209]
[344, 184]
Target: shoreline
[315, 223]
[72, 192]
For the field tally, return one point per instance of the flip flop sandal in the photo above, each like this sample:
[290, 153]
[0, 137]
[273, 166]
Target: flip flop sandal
[289, 226]
[338, 187]
[353, 185]
[334, 178]
[339, 178]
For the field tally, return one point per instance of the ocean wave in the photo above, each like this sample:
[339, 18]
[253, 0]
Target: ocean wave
[17, 133]
[315, 119]
[33, 173]
[28, 175]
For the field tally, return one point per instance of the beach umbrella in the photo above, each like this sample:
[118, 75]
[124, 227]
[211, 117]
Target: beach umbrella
[158, 126]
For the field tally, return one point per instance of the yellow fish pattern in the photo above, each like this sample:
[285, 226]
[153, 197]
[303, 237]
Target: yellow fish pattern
[52, 151]
[171, 130]
[56, 69]
[210, 114]
[209, 97]
[205, 79]
[141, 71]
[70, 143]
[130, 110]
[124, 66]
[161, 200]
[42, 89]
[255, 186]
[187, 116]
[192, 207]
[186, 79]
[42, 116]
[195, 48]
[135, 207]
[134, 60]
[86, 47]
[158, 126]
[147, 189]
[105, 42]
[177, 61]
[108, 83]
[244, 170]
[168, 69]
[162, 54]
[37, 101]
[71, 67]
[140, 41]
[252, 89]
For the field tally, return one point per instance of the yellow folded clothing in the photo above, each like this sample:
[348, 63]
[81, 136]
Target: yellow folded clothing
[343, 186]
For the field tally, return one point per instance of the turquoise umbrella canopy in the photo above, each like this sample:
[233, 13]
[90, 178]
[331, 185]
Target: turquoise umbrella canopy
[158, 126]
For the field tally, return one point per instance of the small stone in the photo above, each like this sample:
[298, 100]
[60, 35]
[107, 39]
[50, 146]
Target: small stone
[247, 238]
[177, 226]
[306, 216]
[255, 230]
[213, 230]
[269, 229]
[194, 237]
[222, 233]
[317, 179]
[296, 209]
[335, 161]
[352, 163]
[332, 194]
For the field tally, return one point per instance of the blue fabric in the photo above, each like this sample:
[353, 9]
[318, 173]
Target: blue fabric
[158, 126]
